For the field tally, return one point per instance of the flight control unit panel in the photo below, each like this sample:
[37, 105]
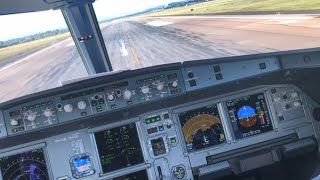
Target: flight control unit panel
[160, 123]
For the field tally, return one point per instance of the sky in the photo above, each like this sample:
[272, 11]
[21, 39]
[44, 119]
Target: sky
[19, 25]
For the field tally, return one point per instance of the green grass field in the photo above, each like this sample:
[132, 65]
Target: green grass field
[223, 6]
[14, 50]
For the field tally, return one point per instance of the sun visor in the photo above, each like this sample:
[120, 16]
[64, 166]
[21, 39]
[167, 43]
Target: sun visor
[23, 6]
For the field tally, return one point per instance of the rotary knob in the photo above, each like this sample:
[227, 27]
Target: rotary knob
[160, 86]
[31, 116]
[174, 84]
[127, 94]
[111, 97]
[82, 105]
[14, 122]
[145, 89]
[48, 113]
[297, 104]
[294, 94]
[68, 108]
[276, 99]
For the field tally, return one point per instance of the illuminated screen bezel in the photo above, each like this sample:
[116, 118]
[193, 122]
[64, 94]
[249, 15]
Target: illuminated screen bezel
[78, 174]
[237, 135]
[108, 127]
[194, 108]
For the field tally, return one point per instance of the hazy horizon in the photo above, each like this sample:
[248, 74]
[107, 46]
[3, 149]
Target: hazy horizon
[26, 24]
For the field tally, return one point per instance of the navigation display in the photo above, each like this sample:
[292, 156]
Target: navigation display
[202, 128]
[249, 115]
[29, 165]
[119, 147]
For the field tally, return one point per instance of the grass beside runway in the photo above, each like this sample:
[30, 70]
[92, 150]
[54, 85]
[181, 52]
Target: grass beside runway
[7, 52]
[224, 6]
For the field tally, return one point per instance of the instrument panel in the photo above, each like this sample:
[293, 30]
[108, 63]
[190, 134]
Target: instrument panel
[163, 124]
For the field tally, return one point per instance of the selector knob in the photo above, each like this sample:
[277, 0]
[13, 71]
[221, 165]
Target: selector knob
[14, 122]
[174, 84]
[31, 116]
[276, 99]
[145, 89]
[297, 104]
[68, 108]
[127, 94]
[160, 86]
[111, 97]
[48, 113]
[294, 94]
[82, 105]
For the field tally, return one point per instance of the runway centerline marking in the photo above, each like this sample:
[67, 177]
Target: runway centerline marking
[135, 56]
[123, 49]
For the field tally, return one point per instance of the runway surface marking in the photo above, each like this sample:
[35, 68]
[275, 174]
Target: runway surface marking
[135, 56]
[70, 44]
[123, 49]
[158, 23]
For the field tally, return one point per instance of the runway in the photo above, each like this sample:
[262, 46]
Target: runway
[140, 42]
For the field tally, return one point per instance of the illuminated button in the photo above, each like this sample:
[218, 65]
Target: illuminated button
[83, 113]
[161, 128]
[113, 106]
[43, 104]
[21, 128]
[101, 101]
[99, 108]
[129, 102]
[37, 105]
[173, 140]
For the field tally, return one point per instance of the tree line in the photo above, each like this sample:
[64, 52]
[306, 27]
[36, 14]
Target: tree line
[32, 37]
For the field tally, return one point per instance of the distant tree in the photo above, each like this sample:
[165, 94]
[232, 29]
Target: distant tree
[33, 37]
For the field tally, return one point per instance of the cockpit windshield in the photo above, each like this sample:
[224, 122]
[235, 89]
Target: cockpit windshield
[37, 51]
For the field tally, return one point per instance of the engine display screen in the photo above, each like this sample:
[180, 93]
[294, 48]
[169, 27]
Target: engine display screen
[249, 115]
[29, 165]
[140, 175]
[119, 147]
[202, 128]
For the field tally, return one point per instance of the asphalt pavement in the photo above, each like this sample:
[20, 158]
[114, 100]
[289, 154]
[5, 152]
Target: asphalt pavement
[140, 42]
